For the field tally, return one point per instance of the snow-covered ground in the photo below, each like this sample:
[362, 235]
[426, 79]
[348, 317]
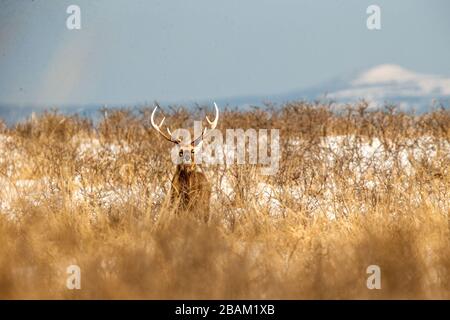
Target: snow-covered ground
[361, 156]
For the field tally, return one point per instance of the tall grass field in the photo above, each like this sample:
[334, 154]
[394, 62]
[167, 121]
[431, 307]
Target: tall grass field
[354, 188]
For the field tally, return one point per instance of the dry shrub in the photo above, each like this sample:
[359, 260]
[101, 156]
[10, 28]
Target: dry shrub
[92, 196]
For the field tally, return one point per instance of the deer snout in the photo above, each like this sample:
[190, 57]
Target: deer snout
[187, 157]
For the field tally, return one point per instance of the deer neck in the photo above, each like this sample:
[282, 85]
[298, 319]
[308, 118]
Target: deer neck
[186, 168]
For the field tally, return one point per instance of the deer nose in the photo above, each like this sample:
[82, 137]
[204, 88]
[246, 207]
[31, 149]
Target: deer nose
[187, 157]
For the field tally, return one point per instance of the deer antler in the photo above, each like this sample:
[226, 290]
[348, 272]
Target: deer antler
[158, 128]
[213, 125]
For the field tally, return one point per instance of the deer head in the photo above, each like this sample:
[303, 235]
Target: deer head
[187, 151]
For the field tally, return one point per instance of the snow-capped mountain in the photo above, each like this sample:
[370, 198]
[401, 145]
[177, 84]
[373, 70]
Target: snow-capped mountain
[380, 85]
[389, 83]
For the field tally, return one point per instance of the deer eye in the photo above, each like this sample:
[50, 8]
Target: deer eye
[180, 153]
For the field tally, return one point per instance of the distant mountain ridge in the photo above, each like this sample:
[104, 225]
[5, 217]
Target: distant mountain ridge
[386, 83]
[394, 84]
[379, 85]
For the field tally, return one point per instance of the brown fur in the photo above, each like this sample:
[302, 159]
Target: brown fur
[191, 191]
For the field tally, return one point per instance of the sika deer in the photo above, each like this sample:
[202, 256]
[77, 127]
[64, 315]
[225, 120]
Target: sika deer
[190, 191]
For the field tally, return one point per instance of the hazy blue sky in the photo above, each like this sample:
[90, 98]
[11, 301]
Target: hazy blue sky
[131, 51]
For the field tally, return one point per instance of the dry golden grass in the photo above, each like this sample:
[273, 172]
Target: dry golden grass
[72, 193]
